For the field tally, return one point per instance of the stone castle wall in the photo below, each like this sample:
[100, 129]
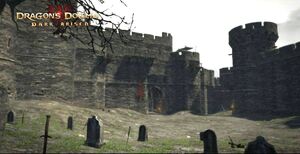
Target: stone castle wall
[142, 74]
[8, 65]
[266, 79]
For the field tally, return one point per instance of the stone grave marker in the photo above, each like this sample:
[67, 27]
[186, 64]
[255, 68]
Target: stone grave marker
[209, 139]
[10, 117]
[143, 134]
[260, 146]
[93, 137]
[70, 123]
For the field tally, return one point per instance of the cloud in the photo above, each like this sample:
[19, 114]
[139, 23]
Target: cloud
[289, 31]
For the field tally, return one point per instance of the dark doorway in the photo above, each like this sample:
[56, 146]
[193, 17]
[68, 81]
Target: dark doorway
[156, 103]
[10, 117]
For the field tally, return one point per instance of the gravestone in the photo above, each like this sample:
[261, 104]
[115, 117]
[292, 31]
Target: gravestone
[93, 137]
[143, 135]
[209, 139]
[70, 123]
[10, 117]
[260, 146]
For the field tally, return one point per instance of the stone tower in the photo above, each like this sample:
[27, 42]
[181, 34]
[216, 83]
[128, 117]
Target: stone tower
[248, 45]
[184, 77]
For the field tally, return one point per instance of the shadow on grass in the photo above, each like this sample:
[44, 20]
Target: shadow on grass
[264, 116]
[293, 123]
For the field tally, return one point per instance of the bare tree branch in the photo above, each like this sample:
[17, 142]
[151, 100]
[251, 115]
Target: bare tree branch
[112, 20]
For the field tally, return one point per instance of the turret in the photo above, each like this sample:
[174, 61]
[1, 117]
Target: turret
[248, 42]
[263, 33]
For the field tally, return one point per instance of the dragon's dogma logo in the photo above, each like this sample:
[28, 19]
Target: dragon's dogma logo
[60, 13]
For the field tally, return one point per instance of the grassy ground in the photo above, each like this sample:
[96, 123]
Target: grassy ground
[173, 133]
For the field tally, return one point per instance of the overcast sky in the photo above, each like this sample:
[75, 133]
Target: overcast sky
[204, 24]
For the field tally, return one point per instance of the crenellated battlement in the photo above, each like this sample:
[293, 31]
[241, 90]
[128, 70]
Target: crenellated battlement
[289, 50]
[253, 32]
[135, 38]
[269, 26]
[186, 55]
[165, 39]
[225, 70]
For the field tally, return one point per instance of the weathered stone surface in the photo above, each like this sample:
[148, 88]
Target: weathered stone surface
[260, 146]
[52, 67]
[7, 64]
[70, 123]
[93, 137]
[143, 134]
[263, 80]
[266, 80]
[209, 139]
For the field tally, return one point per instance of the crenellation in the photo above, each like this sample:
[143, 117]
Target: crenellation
[50, 67]
[164, 34]
[262, 74]
[125, 33]
[298, 46]
[149, 37]
[109, 30]
[225, 70]
[236, 30]
[287, 48]
[270, 26]
[137, 36]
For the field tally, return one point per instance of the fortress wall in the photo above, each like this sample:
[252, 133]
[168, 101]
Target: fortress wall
[7, 64]
[46, 66]
[46, 62]
[128, 64]
[279, 84]
[125, 96]
[53, 67]
[287, 83]
[177, 98]
[264, 77]
[220, 97]
[226, 78]
[248, 44]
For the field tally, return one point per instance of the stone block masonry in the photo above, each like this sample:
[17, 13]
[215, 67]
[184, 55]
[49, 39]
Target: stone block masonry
[266, 79]
[143, 74]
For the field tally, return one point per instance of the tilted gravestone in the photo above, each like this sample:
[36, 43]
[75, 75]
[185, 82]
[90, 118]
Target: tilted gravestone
[260, 146]
[70, 123]
[93, 137]
[143, 134]
[10, 117]
[209, 139]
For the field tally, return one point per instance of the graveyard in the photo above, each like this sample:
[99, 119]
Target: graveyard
[177, 132]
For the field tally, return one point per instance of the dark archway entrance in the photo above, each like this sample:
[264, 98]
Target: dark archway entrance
[156, 103]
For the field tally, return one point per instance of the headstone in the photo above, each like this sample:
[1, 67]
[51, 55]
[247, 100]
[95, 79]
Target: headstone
[10, 117]
[143, 135]
[209, 139]
[93, 137]
[260, 146]
[70, 123]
